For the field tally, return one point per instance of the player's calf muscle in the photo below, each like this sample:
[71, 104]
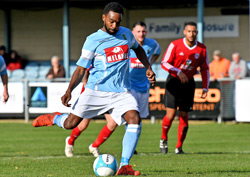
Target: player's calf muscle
[185, 129]
[71, 122]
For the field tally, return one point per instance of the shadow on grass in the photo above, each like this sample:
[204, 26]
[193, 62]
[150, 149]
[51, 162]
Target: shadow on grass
[169, 172]
[190, 153]
[243, 152]
[218, 171]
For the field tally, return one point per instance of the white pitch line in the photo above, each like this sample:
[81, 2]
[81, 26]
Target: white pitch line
[43, 157]
[89, 156]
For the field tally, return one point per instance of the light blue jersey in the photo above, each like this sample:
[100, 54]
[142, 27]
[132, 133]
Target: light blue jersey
[109, 57]
[138, 79]
[3, 70]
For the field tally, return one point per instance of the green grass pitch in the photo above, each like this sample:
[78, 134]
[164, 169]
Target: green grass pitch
[210, 150]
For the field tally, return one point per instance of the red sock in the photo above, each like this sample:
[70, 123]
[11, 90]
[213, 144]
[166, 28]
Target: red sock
[83, 88]
[182, 130]
[166, 124]
[74, 134]
[103, 136]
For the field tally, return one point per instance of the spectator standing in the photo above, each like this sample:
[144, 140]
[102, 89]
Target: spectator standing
[14, 61]
[56, 70]
[4, 77]
[219, 67]
[238, 67]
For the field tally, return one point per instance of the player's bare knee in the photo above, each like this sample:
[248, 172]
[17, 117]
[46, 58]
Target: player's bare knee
[170, 114]
[132, 117]
[171, 117]
[70, 124]
[183, 114]
[72, 121]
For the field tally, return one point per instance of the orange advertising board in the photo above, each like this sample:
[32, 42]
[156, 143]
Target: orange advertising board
[209, 107]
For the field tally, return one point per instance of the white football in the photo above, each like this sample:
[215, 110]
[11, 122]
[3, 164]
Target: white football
[105, 165]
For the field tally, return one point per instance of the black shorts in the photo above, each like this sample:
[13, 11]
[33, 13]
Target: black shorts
[179, 95]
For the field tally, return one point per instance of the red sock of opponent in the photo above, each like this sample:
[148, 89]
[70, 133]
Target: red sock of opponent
[103, 136]
[166, 124]
[182, 130]
[74, 134]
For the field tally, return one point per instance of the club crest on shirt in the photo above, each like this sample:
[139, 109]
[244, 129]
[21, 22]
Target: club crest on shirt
[136, 63]
[188, 62]
[196, 56]
[187, 65]
[117, 53]
[124, 36]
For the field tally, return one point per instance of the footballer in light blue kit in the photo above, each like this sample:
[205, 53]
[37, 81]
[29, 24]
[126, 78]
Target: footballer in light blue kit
[109, 57]
[3, 70]
[138, 81]
[107, 91]
[4, 77]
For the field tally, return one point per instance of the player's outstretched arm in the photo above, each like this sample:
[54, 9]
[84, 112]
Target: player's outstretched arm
[141, 55]
[75, 80]
[5, 88]
[153, 59]
[85, 77]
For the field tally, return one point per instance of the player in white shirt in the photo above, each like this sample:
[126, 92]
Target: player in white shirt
[107, 89]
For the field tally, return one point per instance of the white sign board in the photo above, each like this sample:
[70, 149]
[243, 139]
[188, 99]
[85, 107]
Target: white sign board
[46, 97]
[172, 27]
[242, 100]
[15, 102]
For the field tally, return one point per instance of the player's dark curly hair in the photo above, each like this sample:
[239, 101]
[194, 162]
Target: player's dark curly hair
[191, 24]
[140, 23]
[113, 6]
